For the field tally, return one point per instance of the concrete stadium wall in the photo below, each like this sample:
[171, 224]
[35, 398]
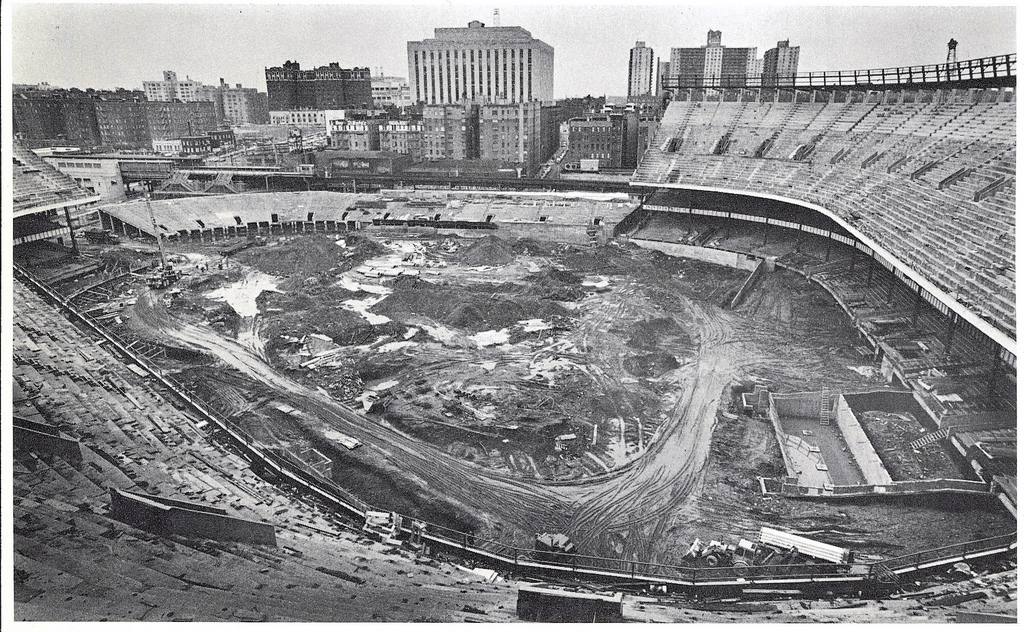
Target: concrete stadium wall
[547, 231]
[66, 448]
[860, 446]
[806, 405]
[165, 516]
[709, 255]
[780, 436]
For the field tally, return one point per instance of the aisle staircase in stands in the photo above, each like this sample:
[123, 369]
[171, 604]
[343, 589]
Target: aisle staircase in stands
[823, 413]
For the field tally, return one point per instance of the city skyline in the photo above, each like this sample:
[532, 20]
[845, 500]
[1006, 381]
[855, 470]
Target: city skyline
[57, 44]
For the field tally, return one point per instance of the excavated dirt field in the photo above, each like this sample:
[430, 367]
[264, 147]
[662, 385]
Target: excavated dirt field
[458, 363]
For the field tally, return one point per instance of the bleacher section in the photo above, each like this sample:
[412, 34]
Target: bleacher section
[926, 174]
[73, 561]
[319, 210]
[37, 185]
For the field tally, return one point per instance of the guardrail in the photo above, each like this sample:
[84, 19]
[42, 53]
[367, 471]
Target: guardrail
[895, 488]
[933, 557]
[510, 556]
[995, 71]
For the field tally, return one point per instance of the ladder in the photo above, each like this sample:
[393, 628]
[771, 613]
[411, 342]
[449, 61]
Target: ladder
[929, 438]
[825, 410]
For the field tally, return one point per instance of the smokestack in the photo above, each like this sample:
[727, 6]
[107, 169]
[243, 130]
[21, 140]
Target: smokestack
[497, 18]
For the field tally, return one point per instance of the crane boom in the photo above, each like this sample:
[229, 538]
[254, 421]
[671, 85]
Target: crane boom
[156, 231]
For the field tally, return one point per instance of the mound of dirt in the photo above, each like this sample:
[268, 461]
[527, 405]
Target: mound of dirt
[489, 251]
[467, 309]
[556, 285]
[467, 316]
[646, 334]
[308, 255]
[651, 364]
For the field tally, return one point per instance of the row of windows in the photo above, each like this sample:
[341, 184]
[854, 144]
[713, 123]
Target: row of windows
[440, 76]
[80, 165]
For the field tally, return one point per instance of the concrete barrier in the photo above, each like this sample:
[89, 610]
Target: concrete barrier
[537, 603]
[39, 437]
[736, 260]
[165, 516]
[741, 295]
[863, 452]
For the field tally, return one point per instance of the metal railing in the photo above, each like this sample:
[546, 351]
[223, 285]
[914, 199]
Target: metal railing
[500, 553]
[953, 551]
[998, 70]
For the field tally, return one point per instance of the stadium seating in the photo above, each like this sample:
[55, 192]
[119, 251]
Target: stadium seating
[37, 184]
[906, 173]
[74, 562]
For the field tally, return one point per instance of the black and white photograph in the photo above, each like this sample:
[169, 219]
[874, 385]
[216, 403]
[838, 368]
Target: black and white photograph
[450, 312]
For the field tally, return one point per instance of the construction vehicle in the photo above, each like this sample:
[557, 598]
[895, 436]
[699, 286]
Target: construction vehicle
[166, 275]
[101, 236]
[553, 547]
[773, 548]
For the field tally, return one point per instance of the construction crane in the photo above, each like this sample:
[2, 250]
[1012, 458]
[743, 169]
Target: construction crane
[166, 275]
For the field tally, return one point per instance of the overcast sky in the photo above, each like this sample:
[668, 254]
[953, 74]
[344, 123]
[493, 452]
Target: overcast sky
[121, 45]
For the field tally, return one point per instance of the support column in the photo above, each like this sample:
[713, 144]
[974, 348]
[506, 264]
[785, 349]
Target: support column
[950, 331]
[71, 229]
[828, 247]
[892, 286]
[871, 270]
[853, 261]
[993, 375]
[917, 308]
[766, 226]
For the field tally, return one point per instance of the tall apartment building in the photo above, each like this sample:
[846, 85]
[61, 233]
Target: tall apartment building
[403, 137]
[390, 91]
[641, 70]
[598, 136]
[241, 106]
[329, 87]
[123, 124]
[664, 68]
[500, 64]
[167, 121]
[171, 89]
[780, 65]
[362, 134]
[450, 132]
[61, 117]
[714, 64]
[136, 124]
[512, 133]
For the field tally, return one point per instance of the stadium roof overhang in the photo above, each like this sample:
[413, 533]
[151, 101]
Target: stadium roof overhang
[1000, 338]
[55, 206]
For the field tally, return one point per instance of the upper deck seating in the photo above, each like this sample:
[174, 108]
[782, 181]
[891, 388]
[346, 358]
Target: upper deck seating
[906, 173]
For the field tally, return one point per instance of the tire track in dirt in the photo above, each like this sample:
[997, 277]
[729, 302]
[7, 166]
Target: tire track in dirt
[638, 499]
